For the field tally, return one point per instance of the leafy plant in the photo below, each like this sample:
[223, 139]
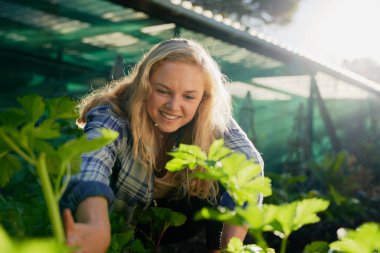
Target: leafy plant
[34, 134]
[241, 178]
[155, 221]
[235, 245]
[30, 246]
[365, 239]
[317, 247]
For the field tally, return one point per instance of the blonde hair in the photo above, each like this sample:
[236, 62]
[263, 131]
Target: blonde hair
[127, 98]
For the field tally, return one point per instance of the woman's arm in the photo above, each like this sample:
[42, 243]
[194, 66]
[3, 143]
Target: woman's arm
[92, 231]
[228, 232]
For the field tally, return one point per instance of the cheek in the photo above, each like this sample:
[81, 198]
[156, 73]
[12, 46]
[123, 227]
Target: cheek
[194, 108]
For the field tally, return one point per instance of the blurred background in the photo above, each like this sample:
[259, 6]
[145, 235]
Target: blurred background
[304, 75]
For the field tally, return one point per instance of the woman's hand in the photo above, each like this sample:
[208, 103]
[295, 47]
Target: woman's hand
[230, 231]
[92, 232]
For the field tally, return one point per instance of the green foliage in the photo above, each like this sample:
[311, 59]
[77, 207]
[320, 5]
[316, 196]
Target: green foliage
[241, 177]
[31, 245]
[291, 217]
[123, 237]
[317, 247]
[242, 180]
[236, 246]
[365, 239]
[157, 220]
[34, 134]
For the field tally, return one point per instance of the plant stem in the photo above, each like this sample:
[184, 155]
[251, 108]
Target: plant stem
[15, 148]
[50, 199]
[161, 235]
[260, 239]
[283, 244]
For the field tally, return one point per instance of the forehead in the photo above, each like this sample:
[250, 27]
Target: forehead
[178, 74]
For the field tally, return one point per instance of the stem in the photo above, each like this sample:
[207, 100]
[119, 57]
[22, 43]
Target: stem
[283, 244]
[161, 235]
[260, 240]
[50, 199]
[65, 183]
[15, 148]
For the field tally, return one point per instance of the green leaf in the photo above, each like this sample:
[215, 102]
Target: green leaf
[9, 165]
[177, 219]
[5, 242]
[193, 150]
[307, 212]
[233, 163]
[291, 217]
[217, 151]
[167, 216]
[120, 240]
[178, 164]
[235, 245]
[33, 105]
[249, 170]
[30, 245]
[46, 130]
[221, 214]
[365, 239]
[337, 197]
[12, 117]
[74, 148]
[61, 108]
[258, 184]
[138, 247]
[316, 247]
[253, 215]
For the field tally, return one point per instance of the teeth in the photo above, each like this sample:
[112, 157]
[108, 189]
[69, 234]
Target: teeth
[168, 116]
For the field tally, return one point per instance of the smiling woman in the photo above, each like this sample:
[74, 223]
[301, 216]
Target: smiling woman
[176, 94]
[177, 90]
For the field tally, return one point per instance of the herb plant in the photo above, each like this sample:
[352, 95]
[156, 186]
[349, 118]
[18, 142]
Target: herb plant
[34, 134]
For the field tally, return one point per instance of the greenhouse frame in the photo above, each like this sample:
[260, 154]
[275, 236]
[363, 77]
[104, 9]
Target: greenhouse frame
[293, 106]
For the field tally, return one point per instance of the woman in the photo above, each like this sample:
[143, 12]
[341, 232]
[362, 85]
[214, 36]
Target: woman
[176, 94]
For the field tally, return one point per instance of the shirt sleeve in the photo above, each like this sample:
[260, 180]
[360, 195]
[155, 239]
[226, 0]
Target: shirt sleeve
[96, 166]
[236, 139]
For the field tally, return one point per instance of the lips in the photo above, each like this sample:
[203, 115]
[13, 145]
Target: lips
[169, 116]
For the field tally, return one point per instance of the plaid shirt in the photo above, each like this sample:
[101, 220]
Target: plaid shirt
[112, 172]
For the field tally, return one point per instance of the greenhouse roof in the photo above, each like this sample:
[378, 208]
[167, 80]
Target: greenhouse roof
[68, 47]
[88, 35]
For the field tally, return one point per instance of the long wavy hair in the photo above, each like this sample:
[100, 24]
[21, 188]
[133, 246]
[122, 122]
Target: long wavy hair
[128, 96]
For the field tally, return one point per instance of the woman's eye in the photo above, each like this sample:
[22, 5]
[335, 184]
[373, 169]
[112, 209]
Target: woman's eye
[163, 91]
[189, 97]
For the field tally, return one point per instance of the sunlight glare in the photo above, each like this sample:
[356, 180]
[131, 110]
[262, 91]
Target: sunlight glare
[346, 29]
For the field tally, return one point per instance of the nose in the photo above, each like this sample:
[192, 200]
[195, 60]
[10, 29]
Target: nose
[173, 103]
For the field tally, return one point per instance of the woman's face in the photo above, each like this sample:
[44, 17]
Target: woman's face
[177, 91]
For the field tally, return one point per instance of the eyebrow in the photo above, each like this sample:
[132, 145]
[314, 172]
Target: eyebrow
[166, 87]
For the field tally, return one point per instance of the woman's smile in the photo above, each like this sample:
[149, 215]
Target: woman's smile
[169, 116]
[177, 91]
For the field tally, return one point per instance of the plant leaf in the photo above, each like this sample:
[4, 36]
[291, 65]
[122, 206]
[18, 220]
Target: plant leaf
[76, 147]
[61, 108]
[13, 117]
[217, 150]
[316, 247]
[9, 165]
[221, 214]
[365, 239]
[33, 105]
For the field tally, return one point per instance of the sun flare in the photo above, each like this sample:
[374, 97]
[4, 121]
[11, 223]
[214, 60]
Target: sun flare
[346, 28]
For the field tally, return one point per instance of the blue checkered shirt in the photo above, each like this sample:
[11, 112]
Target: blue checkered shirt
[112, 172]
